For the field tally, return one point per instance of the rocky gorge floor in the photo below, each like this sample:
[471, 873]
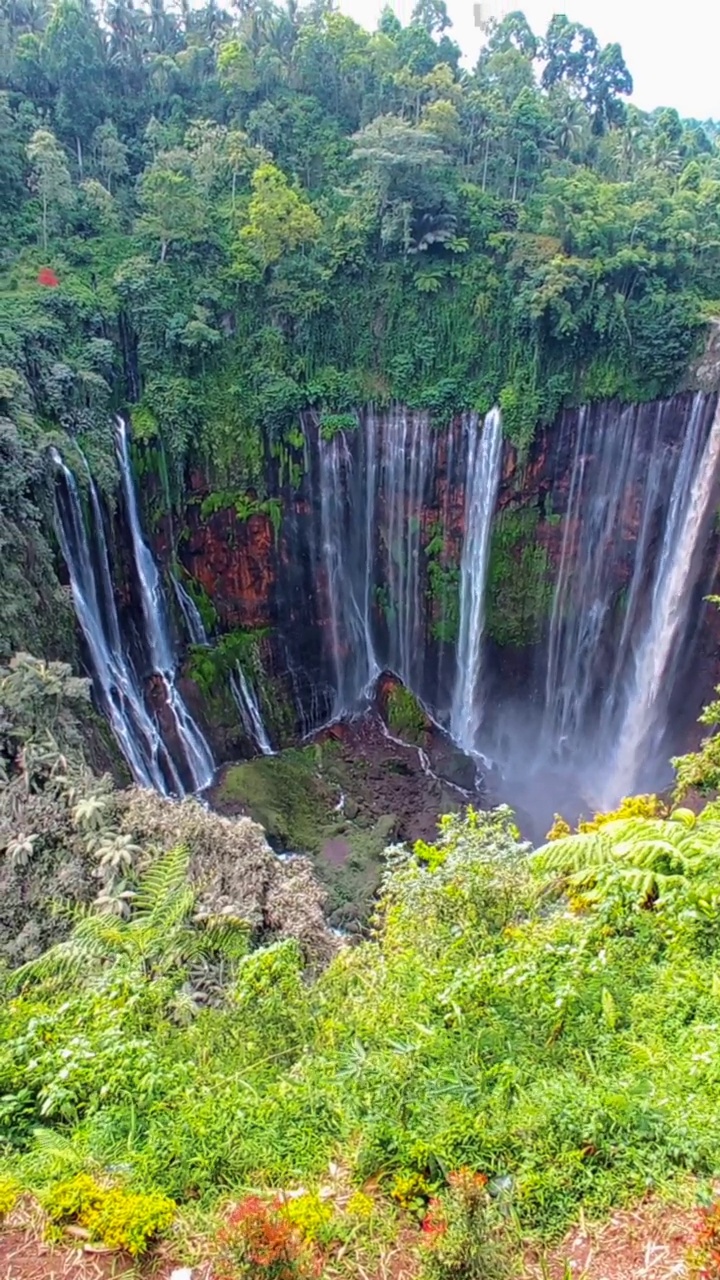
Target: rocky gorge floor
[354, 788]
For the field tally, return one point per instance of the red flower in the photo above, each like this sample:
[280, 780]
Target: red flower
[47, 277]
[434, 1224]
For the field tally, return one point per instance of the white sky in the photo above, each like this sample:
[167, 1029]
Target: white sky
[672, 47]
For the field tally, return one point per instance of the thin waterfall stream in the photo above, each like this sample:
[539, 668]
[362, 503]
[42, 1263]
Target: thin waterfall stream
[483, 478]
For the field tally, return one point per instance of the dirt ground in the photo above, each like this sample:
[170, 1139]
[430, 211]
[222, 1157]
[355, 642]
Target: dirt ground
[24, 1257]
[647, 1243]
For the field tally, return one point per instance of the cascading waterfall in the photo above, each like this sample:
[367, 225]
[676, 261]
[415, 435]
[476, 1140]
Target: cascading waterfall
[373, 485]
[117, 686]
[194, 625]
[657, 657]
[248, 706]
[610, 461]
[347, 530]
[484, 457]
[638, 504]
[156, 631]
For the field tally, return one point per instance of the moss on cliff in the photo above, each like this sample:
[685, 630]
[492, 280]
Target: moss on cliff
[520, 585]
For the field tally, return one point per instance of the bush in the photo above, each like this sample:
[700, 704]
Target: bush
[118, 1218]
[465, 1233]
[10, 1192]
[259, 1241]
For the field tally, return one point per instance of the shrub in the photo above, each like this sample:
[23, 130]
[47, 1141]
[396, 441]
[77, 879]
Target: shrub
[259, 1240]
[10, 1193]
[704, 1256]
[120, 1219]
[464, 1234]
[406, 717]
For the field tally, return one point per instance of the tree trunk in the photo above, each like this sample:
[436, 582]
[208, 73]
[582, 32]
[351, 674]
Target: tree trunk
[44, 222]
[485, 162]
[515, 179]
[79, 156]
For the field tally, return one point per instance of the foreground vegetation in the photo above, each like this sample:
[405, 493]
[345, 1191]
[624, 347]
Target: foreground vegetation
[523, 1035]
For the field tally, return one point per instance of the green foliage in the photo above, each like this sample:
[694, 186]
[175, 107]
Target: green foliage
[332, 423]
[484, 1028]
[114, 1217]
[520, 584]
[466, 1233]
[443, 588]
[668, 863]
[245, 506]
[405, 716]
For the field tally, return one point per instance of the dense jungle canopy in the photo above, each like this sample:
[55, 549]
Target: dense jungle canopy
[253, 210]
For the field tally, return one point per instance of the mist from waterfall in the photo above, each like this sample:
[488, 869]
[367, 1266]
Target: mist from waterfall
[638, 506]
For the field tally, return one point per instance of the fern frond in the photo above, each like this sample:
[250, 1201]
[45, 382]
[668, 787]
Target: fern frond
[163, 881]
[574, 852]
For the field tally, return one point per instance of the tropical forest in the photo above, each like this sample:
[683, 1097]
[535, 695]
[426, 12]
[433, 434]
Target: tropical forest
[359, 650]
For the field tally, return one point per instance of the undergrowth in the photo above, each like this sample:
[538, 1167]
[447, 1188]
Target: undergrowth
[569, 1055]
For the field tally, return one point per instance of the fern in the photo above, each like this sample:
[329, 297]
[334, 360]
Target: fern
[649, 857]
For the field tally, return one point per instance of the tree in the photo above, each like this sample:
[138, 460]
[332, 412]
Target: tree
[569, 51]
[432, 16]
[174, 212]
[513, 32]
[280, 219]
[235, 66]
[50, 176]
[110, 152]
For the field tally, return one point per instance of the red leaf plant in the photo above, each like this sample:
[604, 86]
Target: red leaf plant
[47, 276]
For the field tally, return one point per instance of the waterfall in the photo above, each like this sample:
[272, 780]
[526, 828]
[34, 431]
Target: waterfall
[347, 527]
[117, 687]
[484, 458]
[242, 692]
[194, 625]
[373, 485]
[618, 453]
[405, 463]
[656, 659]
[247, 704]
[157, 631]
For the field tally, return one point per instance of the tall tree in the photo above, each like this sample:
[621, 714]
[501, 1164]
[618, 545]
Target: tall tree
[50, 177]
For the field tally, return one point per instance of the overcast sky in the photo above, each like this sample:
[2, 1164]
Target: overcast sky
[672, 47]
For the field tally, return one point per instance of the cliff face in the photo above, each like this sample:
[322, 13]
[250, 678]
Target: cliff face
[363, 571]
